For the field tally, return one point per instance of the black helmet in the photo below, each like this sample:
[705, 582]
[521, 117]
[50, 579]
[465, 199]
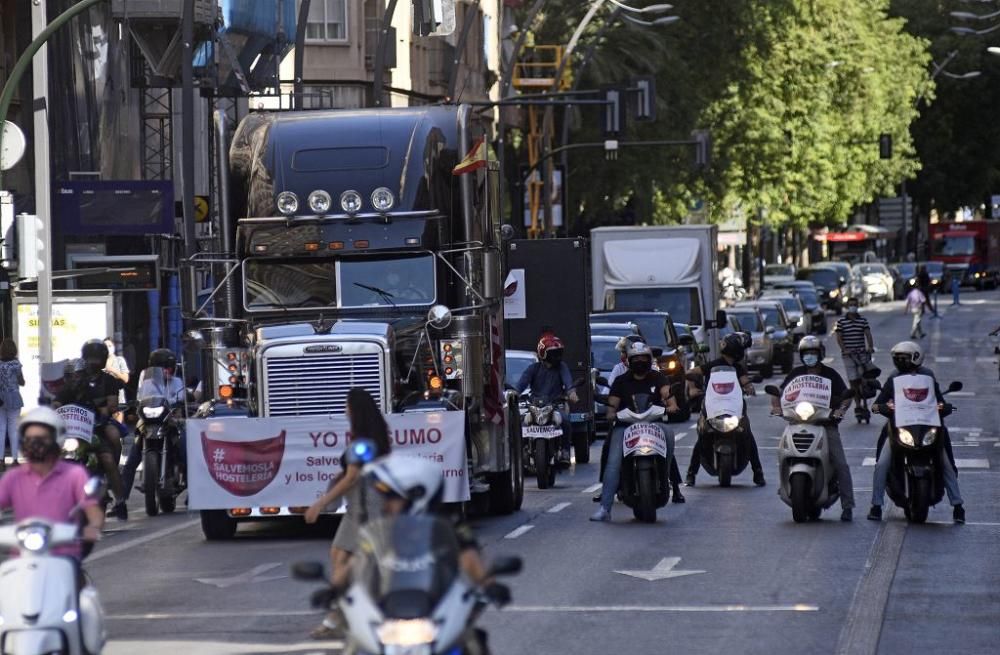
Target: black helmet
[93, 350]
[163, 358]
[732, 346]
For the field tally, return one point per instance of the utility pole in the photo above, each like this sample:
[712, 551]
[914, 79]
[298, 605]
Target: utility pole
[43, 173]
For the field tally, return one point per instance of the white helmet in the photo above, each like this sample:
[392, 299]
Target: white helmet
[413, 478]
[907, 356]
[44, 416]
[638, 349]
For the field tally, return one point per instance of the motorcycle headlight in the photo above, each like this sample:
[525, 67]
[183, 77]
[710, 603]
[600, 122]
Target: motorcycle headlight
[153, 412]
[906, 437]
[413, 632]
[834, 293]
[33, 538]
[725, 423]
[805, 410]
[543, 415]
[71, 445]
[930, 436]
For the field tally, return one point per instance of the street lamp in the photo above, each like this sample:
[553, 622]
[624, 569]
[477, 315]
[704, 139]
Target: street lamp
[962, 76]
[968, 15]
[968, 31]
[993, 50]
[651, 9]
[664, 20]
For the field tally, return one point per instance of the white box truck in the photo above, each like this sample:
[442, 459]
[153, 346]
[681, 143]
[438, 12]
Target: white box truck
[659, 268]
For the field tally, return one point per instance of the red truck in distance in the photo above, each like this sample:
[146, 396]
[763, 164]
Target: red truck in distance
[972, 247]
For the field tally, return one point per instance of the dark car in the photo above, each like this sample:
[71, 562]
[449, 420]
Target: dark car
[613, 329]
[904, 274]
[809, 296]
[660, 332]
[830, 285]
[782, 339]
[936, 272]
[604, 354]
[760, 354]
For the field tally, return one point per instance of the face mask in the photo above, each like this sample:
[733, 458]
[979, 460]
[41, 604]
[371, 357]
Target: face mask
[852, 309]
[810, 359]
[553, 359]
[37, 450]
[641, 366]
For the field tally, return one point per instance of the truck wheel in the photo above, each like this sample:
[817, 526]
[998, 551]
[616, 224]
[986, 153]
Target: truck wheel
[581, 447]
[799, 483]
[725, 470]
[542, 464]
[150, 478]
[216, 525]
[507, 487]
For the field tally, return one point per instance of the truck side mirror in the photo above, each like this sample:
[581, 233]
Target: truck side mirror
[955, 386]
[720, 318]
[685, 340]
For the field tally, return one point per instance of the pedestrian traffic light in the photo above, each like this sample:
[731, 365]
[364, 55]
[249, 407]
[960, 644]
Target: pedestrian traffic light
[885, 146]
[612, 118]
[645, 103]
[703, 148]
[30, 245]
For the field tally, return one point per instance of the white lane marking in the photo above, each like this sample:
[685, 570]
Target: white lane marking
[693, 426]
[153, 536]
[943, 360]
[963, 394]
[951, 429]
[203, 647]
[962, 463]
[514, 534]
[558, 508]
[974, 523]
[256, 574]
[986, 360]
[662, 571]
[679, 436]
[592, 488]
[828, 360]
[662, 608]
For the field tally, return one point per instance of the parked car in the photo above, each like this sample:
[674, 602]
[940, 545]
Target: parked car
[760, 355]
[830, 285]
[794, 308]
[604, 354]
[903, 274]
[876, 279]
[782, 341]
[614, 329]
[774, 273]
[807, 293]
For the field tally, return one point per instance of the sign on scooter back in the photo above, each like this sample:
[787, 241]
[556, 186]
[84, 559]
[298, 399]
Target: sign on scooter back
[916, 402]
[723, 394]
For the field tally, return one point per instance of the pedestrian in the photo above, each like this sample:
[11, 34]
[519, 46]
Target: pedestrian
[956, 285]
[11, 379]
[117, 368]
[916, 302]
[924, 282]
[367, 422]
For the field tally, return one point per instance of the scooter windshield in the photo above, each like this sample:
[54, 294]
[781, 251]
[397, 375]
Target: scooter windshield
[157, 388]
[407, 563]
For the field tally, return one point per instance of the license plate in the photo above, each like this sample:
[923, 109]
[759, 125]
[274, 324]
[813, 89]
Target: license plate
[540, 432]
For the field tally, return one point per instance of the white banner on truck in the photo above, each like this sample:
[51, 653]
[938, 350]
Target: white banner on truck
[289, 462]
[514, 295]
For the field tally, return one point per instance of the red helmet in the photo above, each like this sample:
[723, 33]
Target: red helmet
[549, 343]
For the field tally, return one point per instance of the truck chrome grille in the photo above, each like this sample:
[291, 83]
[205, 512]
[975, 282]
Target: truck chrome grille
[803, 442]
[318, 384]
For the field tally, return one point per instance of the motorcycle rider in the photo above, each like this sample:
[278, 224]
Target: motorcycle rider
[640, 379]
[48, 487]
[732, 352]
[908, 359]
[854, 336]
[549, 378]
[95, 388]
[622, 366]
[175, 392]
[812, 352]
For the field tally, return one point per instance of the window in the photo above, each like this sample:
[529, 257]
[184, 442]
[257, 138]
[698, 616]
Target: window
[327, 20]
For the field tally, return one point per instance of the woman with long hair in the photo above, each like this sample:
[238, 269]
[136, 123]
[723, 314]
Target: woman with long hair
[11, 381]
[367, 422]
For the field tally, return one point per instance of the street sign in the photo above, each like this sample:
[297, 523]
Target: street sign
[200, 209]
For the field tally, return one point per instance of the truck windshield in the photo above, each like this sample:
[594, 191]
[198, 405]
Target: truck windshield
[682, 304]
[955, 246]
[359, 282]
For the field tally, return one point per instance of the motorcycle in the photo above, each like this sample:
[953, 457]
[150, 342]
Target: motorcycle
[541, 436]
[915, 424]
[42, 610]
[808, 481]
[159, 431]
[407, 596]
[725, 451]
[645, 481]
[83, 442]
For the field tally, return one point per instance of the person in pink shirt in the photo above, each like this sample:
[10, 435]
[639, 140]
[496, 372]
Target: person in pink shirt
[48, 487]
[915, 303]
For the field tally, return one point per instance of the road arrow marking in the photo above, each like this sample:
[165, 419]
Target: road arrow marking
[662, 571]
[256, 574]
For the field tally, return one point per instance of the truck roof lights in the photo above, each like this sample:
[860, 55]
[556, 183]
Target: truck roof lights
[320, 201]
[260, 247]
[382, 199]
[350, 202]
[361, 243]
[336, 245]
[288, 203]
[312, 246]
[413, 241]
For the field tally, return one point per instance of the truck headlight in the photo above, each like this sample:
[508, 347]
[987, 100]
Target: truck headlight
[320, 201]
[413, 632]
[382, 199]
[724, 423]
[930, 437]
[350, 202]
[906, 437]
[288, 203]
[805, 410]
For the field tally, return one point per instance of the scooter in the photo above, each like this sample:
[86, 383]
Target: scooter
[724, 451]
[159, 431]
[83, 442]
[407, 596]
[915, 481]
[541, 436]
[42, 611]
[648, 446]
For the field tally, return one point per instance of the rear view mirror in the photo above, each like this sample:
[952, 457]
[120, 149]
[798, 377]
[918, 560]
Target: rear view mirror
[720, 318]
[955, 386]
[872, 373]
[686, 340]
[769, 329]
[93, 488]
[657, 351]
[772, 390]
[506, 566]
[307, 571]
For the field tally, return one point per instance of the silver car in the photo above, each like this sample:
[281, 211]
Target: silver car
[760, 355]
[877, 280]
[794, 309]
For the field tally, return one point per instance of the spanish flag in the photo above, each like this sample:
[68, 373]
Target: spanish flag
[475, 160]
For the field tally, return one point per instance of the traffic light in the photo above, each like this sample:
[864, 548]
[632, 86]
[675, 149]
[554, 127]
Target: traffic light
[885, 146]
[645, 104]
[30, 245]
[612, 117]
[703, 148]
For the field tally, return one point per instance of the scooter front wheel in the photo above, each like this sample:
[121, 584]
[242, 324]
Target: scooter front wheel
[645, 509]
[920, 493]
[725, 470]
[799, 494]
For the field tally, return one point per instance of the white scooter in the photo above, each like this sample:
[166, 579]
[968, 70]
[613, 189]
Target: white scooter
[41, 609]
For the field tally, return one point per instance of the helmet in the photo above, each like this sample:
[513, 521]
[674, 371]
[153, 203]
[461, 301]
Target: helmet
[163, 358]
[94, 349]
[638, 349]
[44, 416]
[812, 343]
[733, 346]
[549, 344]
[907, 356]
[624, 342]
[412, 478]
